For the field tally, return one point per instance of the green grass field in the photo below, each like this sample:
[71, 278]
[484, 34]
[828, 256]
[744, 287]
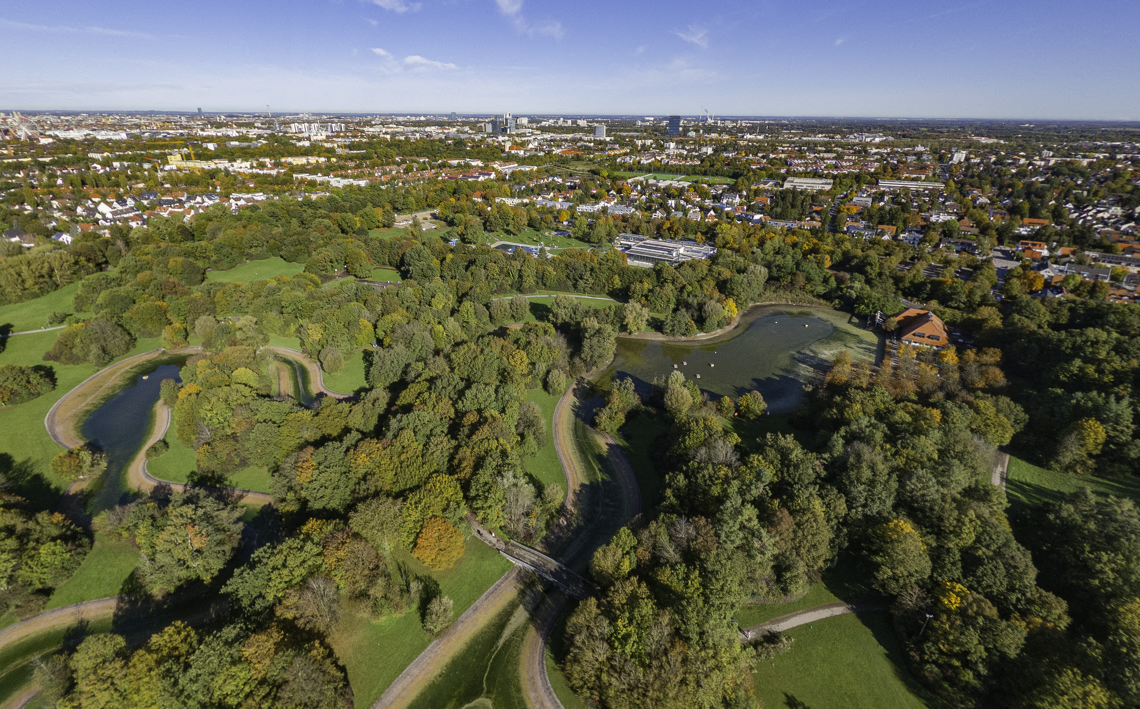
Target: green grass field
[351, 376]
[375, 653]
[102, 573]
[178, 462]
[847, 662]
[540, 306]
[385, 274]
[534, 237]
[545, 466]
[1032, 485]
[256, 271]
[751, 432]
[33, 314]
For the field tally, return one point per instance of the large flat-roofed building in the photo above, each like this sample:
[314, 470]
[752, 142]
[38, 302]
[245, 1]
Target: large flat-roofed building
[808, 184]
[646, 252]
[674, 127]
[910, 185]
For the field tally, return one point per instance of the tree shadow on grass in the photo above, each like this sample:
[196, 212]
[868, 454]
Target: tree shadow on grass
[24, 481]
[879, 623]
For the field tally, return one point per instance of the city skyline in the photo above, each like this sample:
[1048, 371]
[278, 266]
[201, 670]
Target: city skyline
[986, 60]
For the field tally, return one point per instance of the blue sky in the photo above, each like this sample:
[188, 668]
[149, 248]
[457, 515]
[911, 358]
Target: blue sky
[1000, 59]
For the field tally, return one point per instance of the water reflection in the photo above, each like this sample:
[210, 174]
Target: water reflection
[771, 354]
[120, 427]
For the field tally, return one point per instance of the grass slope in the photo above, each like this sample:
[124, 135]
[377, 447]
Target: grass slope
[847, 662]
[375, 653]
[102, 573]
[545, 466]
[33, 314]
[256, 271]
[179, 461]
[1029, 484]
[350, 377]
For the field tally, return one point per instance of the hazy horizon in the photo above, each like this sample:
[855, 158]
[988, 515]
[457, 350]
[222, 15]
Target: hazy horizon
[1014, 60]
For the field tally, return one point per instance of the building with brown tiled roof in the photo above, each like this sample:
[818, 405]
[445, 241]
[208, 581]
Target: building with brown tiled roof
[922, 327]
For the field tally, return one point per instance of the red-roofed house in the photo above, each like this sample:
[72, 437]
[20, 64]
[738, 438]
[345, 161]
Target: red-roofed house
[922, 327]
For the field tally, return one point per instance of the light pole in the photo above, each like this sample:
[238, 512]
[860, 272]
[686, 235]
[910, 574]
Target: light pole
[928, 617]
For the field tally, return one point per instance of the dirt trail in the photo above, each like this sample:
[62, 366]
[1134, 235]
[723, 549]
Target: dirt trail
[432, 661]
[58, 618]
[316, 376]
[810, 615]
[535, 680]
[1001, 469]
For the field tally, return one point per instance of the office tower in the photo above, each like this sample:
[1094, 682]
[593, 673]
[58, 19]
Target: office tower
[674, 127]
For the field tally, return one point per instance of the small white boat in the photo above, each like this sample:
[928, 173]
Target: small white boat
[685, 363]
[698, 376]
[146, 376]
[674, 366]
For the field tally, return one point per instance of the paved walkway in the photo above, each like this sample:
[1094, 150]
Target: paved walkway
[810, 615]
[32, 332]
[1001, 469]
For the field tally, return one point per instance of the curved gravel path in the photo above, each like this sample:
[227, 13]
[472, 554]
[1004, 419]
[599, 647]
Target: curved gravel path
[314, 370]
[58, 618]
[140, 479]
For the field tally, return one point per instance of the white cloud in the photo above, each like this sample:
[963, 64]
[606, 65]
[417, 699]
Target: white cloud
[370, 21]
[696, 35]
[639, 51]
[62, 29]
[417, 63]
[412, 62]
[397, 6]
[840, 41]
[512, 9]
[509, 7]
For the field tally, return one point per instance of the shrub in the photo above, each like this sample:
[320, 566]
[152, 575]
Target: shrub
[98, 341]
[555, 382]
[79, 463]
[19, 384]
[439, 545]
[438, 615]
[331, 360]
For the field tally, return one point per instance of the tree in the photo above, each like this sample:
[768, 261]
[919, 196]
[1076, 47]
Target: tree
[901, 556]
[438, 615]
[439, 544]
[83, 462]
[678, 399]
[751, 405]
[192, 537]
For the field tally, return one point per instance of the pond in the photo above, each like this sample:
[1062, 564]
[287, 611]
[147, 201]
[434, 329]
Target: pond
[119, 427]
[773, 350]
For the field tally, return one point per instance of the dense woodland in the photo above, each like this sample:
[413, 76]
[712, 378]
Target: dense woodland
[894, 474]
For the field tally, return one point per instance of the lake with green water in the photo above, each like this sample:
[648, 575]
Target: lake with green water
[119, 427]
[773, 350]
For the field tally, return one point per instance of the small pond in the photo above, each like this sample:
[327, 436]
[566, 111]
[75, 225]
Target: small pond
[119, 427]
[773, 350]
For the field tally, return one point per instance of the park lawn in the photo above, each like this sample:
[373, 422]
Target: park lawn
[25, 438]
[545, 466]
[540, 306]
[385, 274]
[847, 662]
[33, 314]
[841, 582]
[1029, 484]
[101, 574]
[533, 237]
[350, 377]
[375, 653]
[293, 343]
[256, 271]
[179, 461]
